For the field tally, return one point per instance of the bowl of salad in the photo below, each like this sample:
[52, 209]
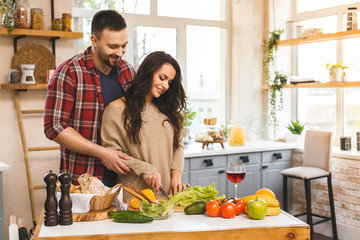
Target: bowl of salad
[159, 210]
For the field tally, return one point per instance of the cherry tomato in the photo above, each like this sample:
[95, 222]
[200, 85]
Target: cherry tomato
[240, 206]
[220, 200]
[228, 210]
[212, 208]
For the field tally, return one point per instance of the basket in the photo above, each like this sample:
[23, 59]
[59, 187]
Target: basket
[101, 202]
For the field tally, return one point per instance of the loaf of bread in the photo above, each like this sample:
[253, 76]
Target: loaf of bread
[91, 185]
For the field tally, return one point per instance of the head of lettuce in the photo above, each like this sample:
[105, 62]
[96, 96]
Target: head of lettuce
[192, 194]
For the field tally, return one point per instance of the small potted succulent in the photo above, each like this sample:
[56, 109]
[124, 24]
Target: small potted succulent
[295, 128]
[336, 72]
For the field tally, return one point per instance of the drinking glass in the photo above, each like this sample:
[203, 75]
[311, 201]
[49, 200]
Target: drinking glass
[235, 173]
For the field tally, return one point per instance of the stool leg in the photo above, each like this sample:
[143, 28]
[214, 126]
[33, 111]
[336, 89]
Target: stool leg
[308, 204]
[332, 208]
[285, 193]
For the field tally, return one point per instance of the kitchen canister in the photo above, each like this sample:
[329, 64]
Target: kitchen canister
[358, 140]
[345, 143]
[299, 31]
[290, 29]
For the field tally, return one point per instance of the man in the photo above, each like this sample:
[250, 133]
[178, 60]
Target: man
[78, 92]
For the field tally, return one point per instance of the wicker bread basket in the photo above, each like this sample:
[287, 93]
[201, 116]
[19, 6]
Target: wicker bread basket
[101, 202]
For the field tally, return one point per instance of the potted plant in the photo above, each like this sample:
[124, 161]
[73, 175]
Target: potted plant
[188, 116]
[295, 128]
[275, 79]
[336, 71]
[7, 8]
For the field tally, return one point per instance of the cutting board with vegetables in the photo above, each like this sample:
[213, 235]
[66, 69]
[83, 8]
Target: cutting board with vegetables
[93, 215]
[176, 209]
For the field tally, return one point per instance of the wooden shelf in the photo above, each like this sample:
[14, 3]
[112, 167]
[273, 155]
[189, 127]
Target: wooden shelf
[320, 38]
[22, 86]
[41, 33]
[319, 85]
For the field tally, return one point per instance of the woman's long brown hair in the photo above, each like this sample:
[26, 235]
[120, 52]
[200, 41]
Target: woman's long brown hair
[171, 103]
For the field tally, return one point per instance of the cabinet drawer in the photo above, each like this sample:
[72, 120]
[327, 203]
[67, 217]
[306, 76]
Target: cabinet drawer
[247, 158]
[276, 156]
[186, 165]
[208, 162]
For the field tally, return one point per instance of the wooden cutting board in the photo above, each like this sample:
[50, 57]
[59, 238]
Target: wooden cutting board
[93, 215]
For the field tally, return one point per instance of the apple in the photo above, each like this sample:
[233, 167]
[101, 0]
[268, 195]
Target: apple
[257, 208]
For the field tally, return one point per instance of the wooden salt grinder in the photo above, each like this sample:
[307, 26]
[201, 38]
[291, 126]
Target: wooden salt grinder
[65, 203]
[50, 205]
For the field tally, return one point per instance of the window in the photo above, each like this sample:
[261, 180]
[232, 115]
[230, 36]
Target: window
[333, 109]
[197, 39]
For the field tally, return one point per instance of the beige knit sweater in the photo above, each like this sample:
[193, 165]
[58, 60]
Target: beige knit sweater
[155, 151]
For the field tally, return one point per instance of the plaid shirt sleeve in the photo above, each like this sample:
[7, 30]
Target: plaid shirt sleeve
[59, 102]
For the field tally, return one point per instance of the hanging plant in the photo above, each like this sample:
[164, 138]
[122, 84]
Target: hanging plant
[275, 79]
[7, 8]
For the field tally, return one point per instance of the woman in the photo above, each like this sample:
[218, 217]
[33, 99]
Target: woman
[148, 125]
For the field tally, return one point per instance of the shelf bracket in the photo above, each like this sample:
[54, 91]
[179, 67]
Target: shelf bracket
[53, 44]
[15, 41]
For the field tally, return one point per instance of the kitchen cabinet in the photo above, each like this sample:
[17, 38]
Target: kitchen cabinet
[251, 182]
[208, 170]
[263, 161]
[273, 162]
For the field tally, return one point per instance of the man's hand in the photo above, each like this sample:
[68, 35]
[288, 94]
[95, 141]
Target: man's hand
[154, 180]
[113, 160]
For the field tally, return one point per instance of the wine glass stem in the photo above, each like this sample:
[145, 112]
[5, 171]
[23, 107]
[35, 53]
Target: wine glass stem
[236, 186]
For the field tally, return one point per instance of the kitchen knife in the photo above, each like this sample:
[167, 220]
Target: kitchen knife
[163, 192]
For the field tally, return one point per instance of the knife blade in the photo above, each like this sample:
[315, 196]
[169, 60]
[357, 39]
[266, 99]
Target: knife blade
[163, 192]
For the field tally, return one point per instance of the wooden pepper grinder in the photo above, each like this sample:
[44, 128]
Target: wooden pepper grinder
[65, 203]
[50, 205]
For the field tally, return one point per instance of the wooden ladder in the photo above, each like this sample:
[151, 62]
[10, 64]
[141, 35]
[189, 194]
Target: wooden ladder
[26, 150]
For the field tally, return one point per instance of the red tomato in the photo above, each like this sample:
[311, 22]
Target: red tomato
[228, 210]
[212, 208]
[240, 206]
[220, 200]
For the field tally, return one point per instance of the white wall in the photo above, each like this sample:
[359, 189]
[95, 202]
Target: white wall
[246, 97]
[16, 198]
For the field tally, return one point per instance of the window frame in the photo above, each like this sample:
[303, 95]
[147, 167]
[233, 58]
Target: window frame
[154, 20]
[338, 11]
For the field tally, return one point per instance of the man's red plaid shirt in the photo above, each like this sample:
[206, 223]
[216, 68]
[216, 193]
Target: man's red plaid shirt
[74, 100]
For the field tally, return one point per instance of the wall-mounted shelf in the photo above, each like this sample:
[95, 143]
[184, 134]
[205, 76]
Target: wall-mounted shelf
[22, 86]
[320, 38]
[344, 84]
[41, 33]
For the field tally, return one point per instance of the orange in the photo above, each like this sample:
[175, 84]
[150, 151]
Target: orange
[134, 202]
[265, 191]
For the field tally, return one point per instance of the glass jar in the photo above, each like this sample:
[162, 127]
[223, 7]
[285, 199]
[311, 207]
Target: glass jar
[66, 22]
[37, 19]
[56, 24]
[22, 14]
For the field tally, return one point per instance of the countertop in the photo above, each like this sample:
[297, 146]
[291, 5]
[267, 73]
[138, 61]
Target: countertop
[195, 149]
[177, 223]
[4, 167]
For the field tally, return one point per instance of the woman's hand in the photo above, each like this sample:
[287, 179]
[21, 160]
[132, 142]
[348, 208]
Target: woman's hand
[154, 180]
[178, 187]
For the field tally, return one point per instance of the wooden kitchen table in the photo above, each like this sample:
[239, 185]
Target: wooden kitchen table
[181, 226]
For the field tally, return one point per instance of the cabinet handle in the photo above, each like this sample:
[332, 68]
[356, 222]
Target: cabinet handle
[265, 167]
[277, 156]
[221, 171]
[244, 159]
[208, 162]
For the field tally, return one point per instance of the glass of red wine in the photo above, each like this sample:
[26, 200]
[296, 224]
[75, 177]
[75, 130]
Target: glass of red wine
[236, 173]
